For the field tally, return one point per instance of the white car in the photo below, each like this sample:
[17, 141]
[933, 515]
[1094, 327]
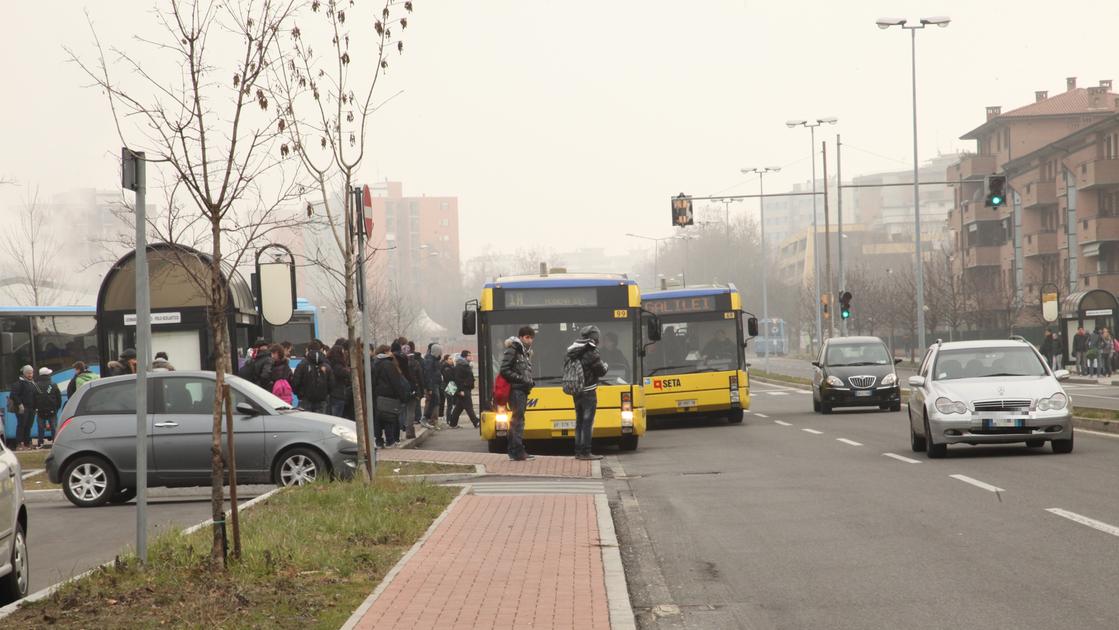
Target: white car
[15, 568]
[988, 392]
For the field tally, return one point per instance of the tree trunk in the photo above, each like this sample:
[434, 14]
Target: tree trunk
[220, 350]
[350, 263]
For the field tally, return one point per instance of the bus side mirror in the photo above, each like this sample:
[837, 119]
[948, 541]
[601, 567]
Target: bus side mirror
[653, 328]
[469, 322]
[752, 327]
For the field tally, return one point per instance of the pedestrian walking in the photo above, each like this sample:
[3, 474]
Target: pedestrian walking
[1080, 350]
[390, 391]
[1107, 348]
[1049, 348]
[340, 382]
[126, 364]
[582, 368]
[461, 391]
[21, 401]
[82, 375]
[311, 380]
[447, 371]
[48, 400]
[433, 383]
[516, 369]
[416, 376]
[161, 363]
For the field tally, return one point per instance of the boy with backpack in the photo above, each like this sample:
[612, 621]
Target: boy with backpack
[582, 367]
[48, 399]
[311, 380]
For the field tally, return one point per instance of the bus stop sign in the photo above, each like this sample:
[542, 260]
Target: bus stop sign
[1049, 307]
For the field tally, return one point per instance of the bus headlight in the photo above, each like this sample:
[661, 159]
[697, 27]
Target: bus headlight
[627, 409]
[501, 420]
[627, 418]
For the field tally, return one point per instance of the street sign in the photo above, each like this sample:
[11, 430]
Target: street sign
[682, 211]
[367, 209]
[1049, 307]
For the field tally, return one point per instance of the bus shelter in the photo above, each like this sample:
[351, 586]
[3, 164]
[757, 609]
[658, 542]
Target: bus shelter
[1094, 309]
[179, 280]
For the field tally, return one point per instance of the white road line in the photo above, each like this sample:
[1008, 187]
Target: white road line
[846, 441]
[1084, 520]
[978, 484]
[783, 423]
[902, 458]
[1099, 433]
[802, 391]
[760, 415]
[813, 431]
[777, 393]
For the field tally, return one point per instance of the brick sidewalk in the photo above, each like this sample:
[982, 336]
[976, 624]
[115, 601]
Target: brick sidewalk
[496, 464]
[501, 562]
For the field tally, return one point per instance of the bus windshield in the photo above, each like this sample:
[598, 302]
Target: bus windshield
[694, 346]
[553, 338]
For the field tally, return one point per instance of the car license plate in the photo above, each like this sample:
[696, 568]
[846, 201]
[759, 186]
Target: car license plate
[685, 404]
[559, 425]
[863, 393]
[998, 423]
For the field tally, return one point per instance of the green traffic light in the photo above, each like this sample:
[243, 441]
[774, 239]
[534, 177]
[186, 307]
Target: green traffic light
[845, 313]
[996, 200]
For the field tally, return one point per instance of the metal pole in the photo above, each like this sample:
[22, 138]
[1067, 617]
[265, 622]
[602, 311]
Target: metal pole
[815, 253]
[730, 264]
[918, 261]
[827, 245]
[839, 211]
[656, 258]
[143, 357]
[765, 272]
[366, 360]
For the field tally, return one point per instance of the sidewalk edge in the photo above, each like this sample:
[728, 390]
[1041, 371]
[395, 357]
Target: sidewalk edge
[356, 617]
[617, 591]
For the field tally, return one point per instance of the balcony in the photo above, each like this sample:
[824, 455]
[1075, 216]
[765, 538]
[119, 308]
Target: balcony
[972, 167]
[983, 256]
[1039, 244]
[1039, 195]
[1097, 174]
[1098, 229]
[973, 211]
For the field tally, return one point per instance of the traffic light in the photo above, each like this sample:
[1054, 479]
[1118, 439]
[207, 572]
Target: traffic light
[682, 211]
[845, 304]
[825, 301]
[996, 191]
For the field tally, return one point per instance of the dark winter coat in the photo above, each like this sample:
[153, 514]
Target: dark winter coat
[432, 374]
[116, 368]
[387, 379]
[341, 380]
[516, 365]
[463, 376]
[594, 368]
[23, 391]
[1048, 346]
[281, 371]
[1080, 342]
[299, 379]
[43, 383]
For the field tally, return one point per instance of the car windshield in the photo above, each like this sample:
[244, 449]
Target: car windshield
[843, 354]
[550, 347]
[263, 395]
[987, 362]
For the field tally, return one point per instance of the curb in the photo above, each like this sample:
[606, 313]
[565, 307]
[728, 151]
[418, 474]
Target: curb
[617, 592]
[479, 471]
[1095, 424]
[355, 618]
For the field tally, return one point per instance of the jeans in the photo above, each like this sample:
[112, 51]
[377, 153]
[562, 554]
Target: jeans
[1105, 364]
[586, 403]
[46, 422]
[23, 427]
[518, 401]
[1055, 362]
[1082, 362]
[463, 402]
[338, 407]
[431, 406]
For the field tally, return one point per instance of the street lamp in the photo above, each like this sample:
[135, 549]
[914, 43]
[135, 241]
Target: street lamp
[831, 120]
[656, 249]
[761, 171]
[918, 262]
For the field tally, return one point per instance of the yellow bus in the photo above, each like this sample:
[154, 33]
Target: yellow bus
[557, 306]
[698, 368]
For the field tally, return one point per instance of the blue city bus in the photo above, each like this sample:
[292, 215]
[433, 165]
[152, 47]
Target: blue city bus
[300, 329]
[772, 336]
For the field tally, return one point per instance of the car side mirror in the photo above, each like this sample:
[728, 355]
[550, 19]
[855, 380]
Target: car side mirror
[246, 409]
[752, 326]
[1061, 375]
[916, 381]
[817, 364]
[897, 361]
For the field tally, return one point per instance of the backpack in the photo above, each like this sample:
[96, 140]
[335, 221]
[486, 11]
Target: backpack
[501, 390]
[248, 371]
[315, 385]
[44, 401]
[573, 378]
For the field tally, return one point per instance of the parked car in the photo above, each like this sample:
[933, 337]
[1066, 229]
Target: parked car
[855, 372]
[15, 567]
[988, 392]
[94, 452]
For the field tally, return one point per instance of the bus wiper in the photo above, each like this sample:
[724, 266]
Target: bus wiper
[670, 367]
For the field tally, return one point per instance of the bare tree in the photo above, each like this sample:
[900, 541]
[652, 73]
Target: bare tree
[326, 102]
[208, 129]
[29, 251]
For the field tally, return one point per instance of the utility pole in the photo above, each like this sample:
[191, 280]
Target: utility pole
[839, 211]
[366, 369]
[827, 240]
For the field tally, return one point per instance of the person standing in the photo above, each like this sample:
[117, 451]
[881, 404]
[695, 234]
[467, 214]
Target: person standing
[1048, 347]
[433, 383]
[161, 363]
[390, 389]
[48, 399]
[311, 380]
[585, 351]
[516, 368]
[126, 364]
[82, 375]
[1080, 350]
[1107, 348]
[340, 381]
[463, 400]
[447, 372]
[23, 393]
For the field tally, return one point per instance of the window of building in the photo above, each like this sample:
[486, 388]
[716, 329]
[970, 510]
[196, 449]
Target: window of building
[1109, 203]
[444, 222]
[1111, 146]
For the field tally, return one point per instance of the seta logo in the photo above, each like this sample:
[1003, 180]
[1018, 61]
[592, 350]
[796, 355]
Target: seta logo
[532, 402]
[665, 383]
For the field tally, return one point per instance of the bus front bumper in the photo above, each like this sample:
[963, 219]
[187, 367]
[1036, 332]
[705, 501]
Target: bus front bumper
[560, 424]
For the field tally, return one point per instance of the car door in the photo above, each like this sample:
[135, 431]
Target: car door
[106, 423]
[182, 431]
[9, 470]
[818, 370]
[918, 395]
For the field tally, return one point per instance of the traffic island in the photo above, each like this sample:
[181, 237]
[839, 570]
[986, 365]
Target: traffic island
[310, 557]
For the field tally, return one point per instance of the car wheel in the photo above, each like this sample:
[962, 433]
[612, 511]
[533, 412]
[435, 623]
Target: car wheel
[299, 466]
[1035, 443]
[124, 495]
[89, 481]
[916, 442]
[932, 449]
[628, 443]
[825, 408]
[1062, 446]
[735, 416]
[895, 407]
[15, 585]
[815, 405]
[498, 445]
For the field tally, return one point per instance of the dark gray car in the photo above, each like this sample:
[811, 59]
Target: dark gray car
[94, 454]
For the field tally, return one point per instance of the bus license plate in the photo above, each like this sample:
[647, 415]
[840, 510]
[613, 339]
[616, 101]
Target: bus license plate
[560, 425]
[685, 404]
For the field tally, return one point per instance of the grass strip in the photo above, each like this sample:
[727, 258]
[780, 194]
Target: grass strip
[1095, 414]
[31, 460]
[311, 556]
[39, 481]
[773, 376]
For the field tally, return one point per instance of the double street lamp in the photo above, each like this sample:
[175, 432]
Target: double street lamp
[885, 23]
[761, 171]
[831, 120]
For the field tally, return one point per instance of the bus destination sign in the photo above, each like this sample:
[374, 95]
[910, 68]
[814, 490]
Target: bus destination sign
[700, 304]
[544, 298]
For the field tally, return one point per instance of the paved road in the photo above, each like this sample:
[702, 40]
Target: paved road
[65, 540]
[769, 525]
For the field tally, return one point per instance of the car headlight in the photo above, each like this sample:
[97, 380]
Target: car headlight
[949, 406]
[345, 433]
[834, 381]
[890, 379]
[1056, 402]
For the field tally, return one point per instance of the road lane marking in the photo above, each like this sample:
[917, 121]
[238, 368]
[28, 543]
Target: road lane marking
[783, 423]
[813, 431]
[1099, 433]
[760, 415]
[777, 393]
[978, 484]
[846, 441]
[1084, 520]
[902, 458]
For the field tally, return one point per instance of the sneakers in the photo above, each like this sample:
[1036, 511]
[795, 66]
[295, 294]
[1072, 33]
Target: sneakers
[426, 425]
[588, 456]
[525, 457]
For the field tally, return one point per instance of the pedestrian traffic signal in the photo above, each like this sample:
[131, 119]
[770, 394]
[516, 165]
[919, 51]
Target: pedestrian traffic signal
[845, 304]
[996, 191]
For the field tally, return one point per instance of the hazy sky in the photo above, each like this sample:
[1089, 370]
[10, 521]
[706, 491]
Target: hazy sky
[562, 124]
